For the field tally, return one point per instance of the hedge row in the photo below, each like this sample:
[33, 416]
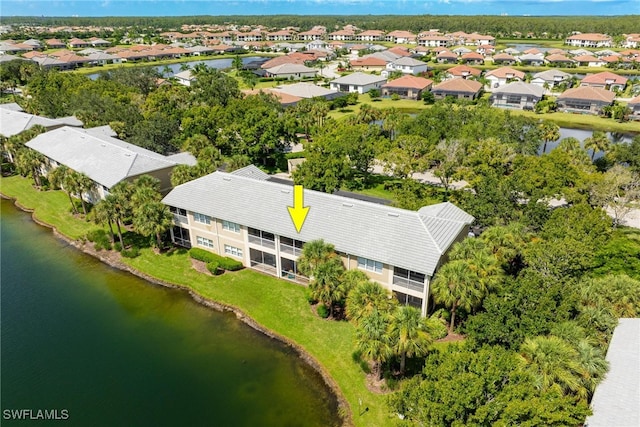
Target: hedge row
[224, 263]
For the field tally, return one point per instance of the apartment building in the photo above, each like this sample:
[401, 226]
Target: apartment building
[244, 215]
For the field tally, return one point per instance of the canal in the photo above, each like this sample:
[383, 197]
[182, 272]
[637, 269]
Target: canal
[111, 349]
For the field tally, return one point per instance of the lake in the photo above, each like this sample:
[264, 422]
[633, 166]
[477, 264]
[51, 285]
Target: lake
[582, 134]
[220, 64]
[114, 350]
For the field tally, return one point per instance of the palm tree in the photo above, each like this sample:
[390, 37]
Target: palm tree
[112, 210]
[372, 340]
[506, 242]
[598, 141]
[30, 163]
[366, 297]
[325, 286]
[593, 366]
[550, 132]
[455, 285]
[153, 218]
[409, 334]
[104, 213]
[59, 178]
[83, 184]
[314, 253]
[553, 362]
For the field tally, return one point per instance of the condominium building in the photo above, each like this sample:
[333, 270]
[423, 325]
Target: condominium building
[244, 215]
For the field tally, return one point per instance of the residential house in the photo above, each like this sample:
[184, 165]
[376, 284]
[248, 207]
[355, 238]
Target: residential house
[631, 41]
[357, 82]
[551, 78]
[585, 99]
[185, 77]
[317, 44]
[446, 57]
[461, 50]
[370, 36]
[76, 43]
[589, 61]
[534, 60]
[407, 87]
[14, 121]
[504, 59]
[472, 58]
[35, 44]
[518, 95]
[291, 71]
[399, 50]
[104, 159]
[634, 106]
[279, 36]
[55, 44]
[400, 37]
[457, 88]
[589, 40]
[342, 35]
[313, 34]
[200, 50]
[486, 49]
[407, 65]
[398, 248]
[605, 80]
[560, 60]
[462, 71]
[435, 41]
[102, 58]
[97, 42]
[308, 91]
[503, 75]
[476, 39]
[370, 63]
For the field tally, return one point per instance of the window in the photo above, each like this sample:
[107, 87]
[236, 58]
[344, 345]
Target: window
[208, 243]
[201, 218]
[370, 265]
[181, 236]
[177, 211]
[231, 226]
[232, 250]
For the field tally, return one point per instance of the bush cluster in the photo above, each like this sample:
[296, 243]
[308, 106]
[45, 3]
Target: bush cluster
[322, 311]
[224, 263]
[133, 252]
[214, 268]
[100, 239]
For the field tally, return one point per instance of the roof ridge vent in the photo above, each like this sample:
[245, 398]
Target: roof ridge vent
[285, 191]
[347, 205]
[226, 178]
[393, 214]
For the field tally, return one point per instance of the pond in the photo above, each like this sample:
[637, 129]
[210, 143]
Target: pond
[114, 350]
[582, 134]
[171, 69]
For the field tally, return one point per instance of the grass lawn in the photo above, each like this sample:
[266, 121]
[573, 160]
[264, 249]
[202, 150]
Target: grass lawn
[52, 207]
[276, 304]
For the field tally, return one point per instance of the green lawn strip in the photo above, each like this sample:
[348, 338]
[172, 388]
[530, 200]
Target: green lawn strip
[281, 307]
[278, 305]
[583, 121]
[52, 207]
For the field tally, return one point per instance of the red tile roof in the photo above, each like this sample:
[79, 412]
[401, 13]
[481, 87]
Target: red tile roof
[604, 78]
[370, 61]
[506, 72]
[410, 82]
[462, 70]
[588, 93]
[458, 85]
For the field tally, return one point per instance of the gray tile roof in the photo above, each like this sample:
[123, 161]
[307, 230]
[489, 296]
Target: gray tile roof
[13, 122]
[359, 79]
[521, 88]
[307, 90]
[550, 75]
[616, 401]
[408, 61]
[104, 159]
[399, 237]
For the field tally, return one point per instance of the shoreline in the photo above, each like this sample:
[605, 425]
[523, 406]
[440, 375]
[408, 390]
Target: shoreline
[344, 410]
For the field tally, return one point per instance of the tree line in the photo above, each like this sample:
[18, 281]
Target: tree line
[540, 26]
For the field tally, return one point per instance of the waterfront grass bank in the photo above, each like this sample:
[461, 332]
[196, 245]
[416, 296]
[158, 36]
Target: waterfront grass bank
[276, 305]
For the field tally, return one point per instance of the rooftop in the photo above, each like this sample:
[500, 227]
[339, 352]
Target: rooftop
[403, 238]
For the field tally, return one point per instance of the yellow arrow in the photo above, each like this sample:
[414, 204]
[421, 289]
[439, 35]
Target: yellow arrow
[298, 212]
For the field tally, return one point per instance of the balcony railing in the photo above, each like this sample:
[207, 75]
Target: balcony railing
[180, 218]
[264, 267]
[182, 242]
[408, 283]
[298, 278]
[291, 250]
[262, 241]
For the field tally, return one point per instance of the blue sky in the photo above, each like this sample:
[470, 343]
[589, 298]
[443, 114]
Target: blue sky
[317, 7]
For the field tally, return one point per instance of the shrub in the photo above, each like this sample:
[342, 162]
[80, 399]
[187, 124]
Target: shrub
[224, 263]
[133, 252]
[322, 311]
[309, 297]
[395, 97]
[117, 246]
[201, 255]
[100, 239]
[213, 267]
[229, 264]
